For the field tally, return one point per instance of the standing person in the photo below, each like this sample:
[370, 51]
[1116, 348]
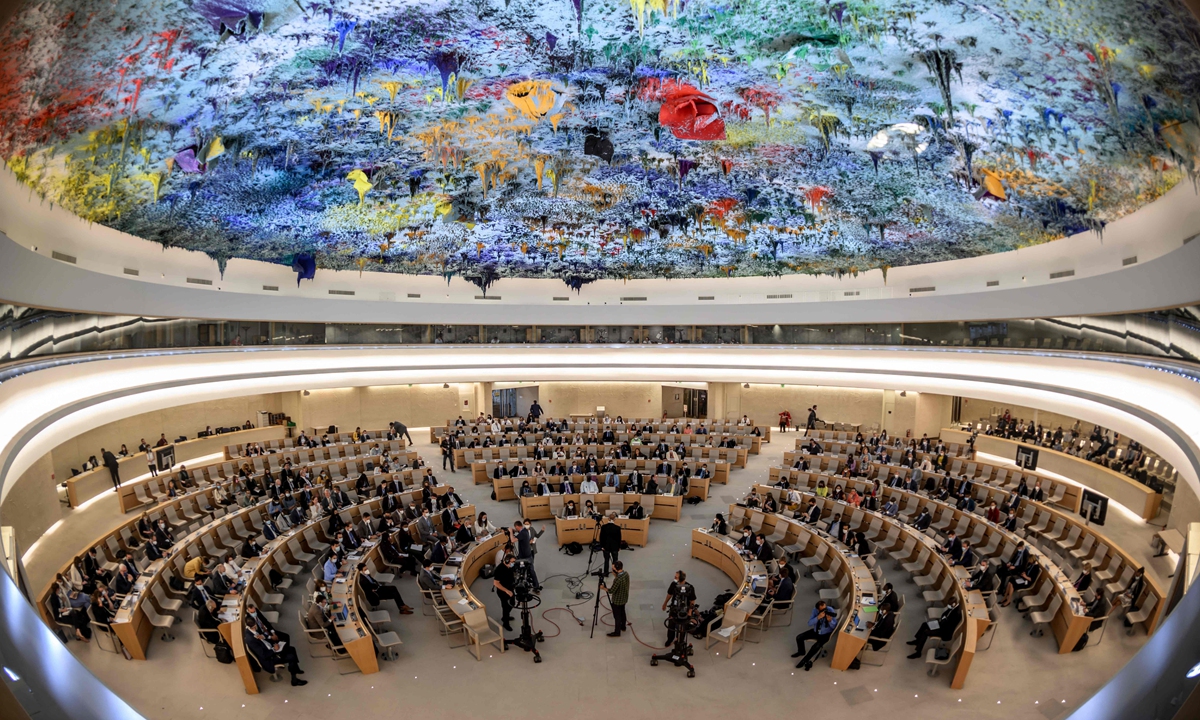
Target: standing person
[153, 466]
[618, 597]
[610, 540]
[503, 581]
[110, 462]
[820, 626]
[535, 410]
[402, 430]
[523, 537]
[812, 420]
[785, 419]
[447, 452]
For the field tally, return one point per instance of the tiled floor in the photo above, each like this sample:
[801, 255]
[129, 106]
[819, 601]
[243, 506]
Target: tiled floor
[1018, 677]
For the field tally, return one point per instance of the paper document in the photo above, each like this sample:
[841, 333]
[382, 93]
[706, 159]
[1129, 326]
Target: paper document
[933, 625]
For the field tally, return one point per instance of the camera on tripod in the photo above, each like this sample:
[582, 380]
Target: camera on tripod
[523, 587]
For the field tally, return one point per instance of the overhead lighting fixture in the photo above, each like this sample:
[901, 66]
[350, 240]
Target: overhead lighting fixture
[1194, 672]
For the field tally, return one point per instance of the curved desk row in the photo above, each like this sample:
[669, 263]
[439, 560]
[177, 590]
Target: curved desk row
[850, 447]
[483, 470]
[463, 569]
[1056, 491]
[659, 507]
[137, 495]
[87, 485]
[132, 621]
[922, 548]
[988, 540]
[657, 426]
[506, 488]
[857, 590]
[1071, 533]
[583, 530]
[467, 457]
[1123, 489]
[237, 450]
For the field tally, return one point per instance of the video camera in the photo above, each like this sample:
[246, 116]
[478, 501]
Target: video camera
[523, 586]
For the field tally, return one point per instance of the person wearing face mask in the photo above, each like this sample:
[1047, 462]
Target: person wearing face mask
[504, 582]
[163, 534]
[377, 592]
[425, 527]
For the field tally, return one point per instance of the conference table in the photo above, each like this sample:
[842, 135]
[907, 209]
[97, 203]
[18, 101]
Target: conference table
[583, 530]
[658, 507]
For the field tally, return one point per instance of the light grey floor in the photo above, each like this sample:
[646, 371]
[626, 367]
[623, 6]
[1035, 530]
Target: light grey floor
[1018, 677]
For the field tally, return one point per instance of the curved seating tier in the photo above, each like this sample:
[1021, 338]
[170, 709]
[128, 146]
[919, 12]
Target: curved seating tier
[918, 555]
[340, 460]
[505, 488]
[467, 457]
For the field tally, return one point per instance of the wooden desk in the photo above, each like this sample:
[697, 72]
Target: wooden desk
[665, 507]
[130, 623]
[720, 552]
[583, 530]
[457, 593]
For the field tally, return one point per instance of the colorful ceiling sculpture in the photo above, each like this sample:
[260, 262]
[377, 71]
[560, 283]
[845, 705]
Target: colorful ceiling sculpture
[586, 139]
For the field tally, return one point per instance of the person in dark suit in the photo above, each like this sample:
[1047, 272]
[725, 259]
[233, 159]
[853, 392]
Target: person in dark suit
[764, 554]
[208, 621]
[110, 462]
[1015, 564]
[123, 582]
[942, 628]
[153, 551]
[889, 596]
[883, 627]
[271, 653]
[439, 553]
[351, 540]
[923, 520]
[377, 592]
[163, 534]
[1084, 581]
[449, 517]
[966, 558]
[610, 540]
[270, 530]
[719, 525]
[251, 548]
[813, 514]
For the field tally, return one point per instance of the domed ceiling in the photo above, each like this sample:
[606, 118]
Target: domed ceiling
[587, 139]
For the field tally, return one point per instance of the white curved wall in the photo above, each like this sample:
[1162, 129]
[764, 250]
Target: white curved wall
[1162, 276]
[40, 408]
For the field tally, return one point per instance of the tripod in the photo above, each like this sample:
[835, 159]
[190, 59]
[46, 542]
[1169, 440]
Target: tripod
[529, 638]
[681, 648]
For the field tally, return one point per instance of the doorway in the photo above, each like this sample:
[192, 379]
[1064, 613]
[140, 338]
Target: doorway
[684, 402]
[504, 403]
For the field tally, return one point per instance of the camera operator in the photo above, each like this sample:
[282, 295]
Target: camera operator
[610, 539]
[504, 581]
[688, 615]
[618, 596]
